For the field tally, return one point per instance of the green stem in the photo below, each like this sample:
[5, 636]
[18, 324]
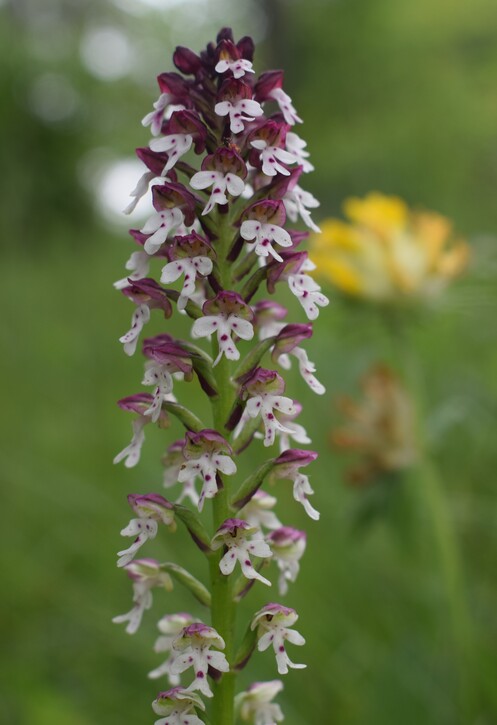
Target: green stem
[223, 608]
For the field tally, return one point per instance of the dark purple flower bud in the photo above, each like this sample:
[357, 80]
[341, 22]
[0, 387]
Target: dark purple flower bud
[246, 47]
[225, 34]
[186, 61]
[175, 86]
[147, 291]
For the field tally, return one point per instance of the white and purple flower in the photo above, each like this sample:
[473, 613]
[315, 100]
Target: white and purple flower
[273, 624]
[194, 650]
[234, 533]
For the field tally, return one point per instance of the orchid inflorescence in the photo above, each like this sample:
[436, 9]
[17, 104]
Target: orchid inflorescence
[220, 232]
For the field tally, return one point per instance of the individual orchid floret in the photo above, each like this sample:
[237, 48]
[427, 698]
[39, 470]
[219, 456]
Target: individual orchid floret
[287, 343]
[151, 509]
[174, 93]
[173, 461]
[264, 388]
[298, 202]
[137, 404]
[272, 623]
[263, 223]
[178, 707]
[235, 101]
[206, 453]
[147, 294]
[255, 705]
[269, 87]
[225, 171]
[269, 143]
[258, 511]
[233, 534]
[183, 129]
[288, 546]
[175, 205]
[297, 146]
[287, 466]
[170, 626]
[225, 314]
[194, 643]
[146, 575]
[230, 59]
[304, 287]
[191, 256]
[166, 358]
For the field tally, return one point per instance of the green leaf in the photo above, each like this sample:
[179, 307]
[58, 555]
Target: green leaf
[184, 415]
[199, 591]
[254, 357]
[251, 484]
[195, 527]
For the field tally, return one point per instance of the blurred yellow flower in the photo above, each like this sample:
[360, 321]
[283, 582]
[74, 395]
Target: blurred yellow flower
[388, 252]
[380, 427]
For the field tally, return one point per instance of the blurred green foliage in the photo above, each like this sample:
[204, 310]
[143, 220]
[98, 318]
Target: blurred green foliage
[396, 96]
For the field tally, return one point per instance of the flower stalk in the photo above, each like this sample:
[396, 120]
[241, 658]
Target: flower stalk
[218, 236]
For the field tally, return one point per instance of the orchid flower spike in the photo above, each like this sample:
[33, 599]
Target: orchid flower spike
[223, 170]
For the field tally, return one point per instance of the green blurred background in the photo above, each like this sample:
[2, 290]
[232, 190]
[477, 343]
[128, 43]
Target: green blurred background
[399, 615]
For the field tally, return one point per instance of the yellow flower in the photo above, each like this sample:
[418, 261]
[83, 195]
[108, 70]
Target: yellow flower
[388, 252]
[380, 427]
